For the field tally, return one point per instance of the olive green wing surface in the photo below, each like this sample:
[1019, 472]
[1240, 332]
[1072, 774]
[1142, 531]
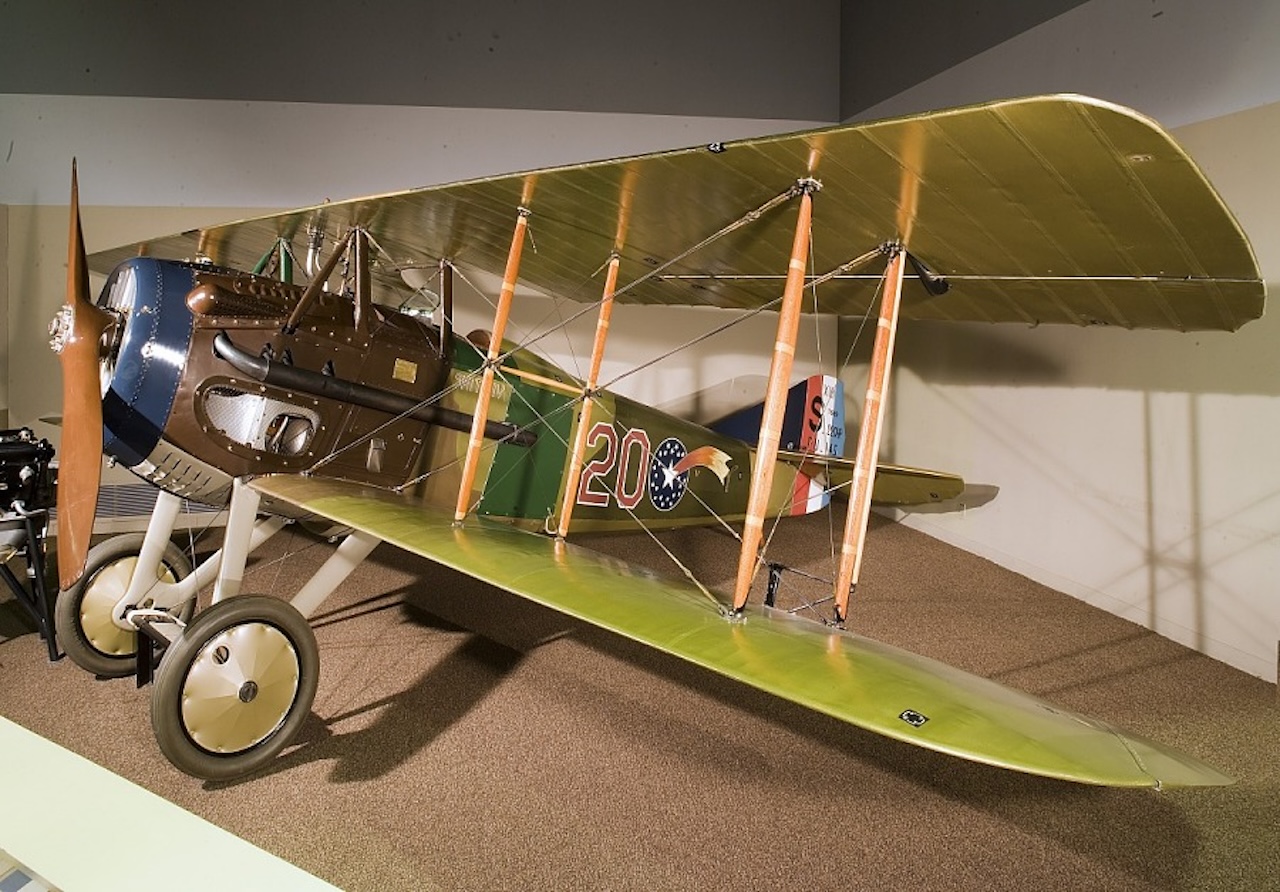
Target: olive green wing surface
[866, 683]
[1048, 209]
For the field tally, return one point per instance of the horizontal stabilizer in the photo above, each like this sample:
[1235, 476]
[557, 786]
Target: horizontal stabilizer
[894, 484]
[868, 684]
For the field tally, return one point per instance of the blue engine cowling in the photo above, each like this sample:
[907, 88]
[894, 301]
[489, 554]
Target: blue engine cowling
[148, 353]
[141, 373]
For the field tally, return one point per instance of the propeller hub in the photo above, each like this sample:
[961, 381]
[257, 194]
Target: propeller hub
[60, 327]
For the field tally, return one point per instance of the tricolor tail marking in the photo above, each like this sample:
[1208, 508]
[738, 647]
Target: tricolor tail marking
[813, 423]
[820, 401]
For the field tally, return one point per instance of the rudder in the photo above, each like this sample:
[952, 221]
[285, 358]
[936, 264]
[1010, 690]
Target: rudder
[812, 423]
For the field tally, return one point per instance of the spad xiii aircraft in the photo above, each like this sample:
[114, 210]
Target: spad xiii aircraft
[207, 371]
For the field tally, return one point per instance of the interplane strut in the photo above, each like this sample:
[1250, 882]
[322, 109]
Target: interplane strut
[855, 528]
[593, 377]
[501, 314]
[776, 397]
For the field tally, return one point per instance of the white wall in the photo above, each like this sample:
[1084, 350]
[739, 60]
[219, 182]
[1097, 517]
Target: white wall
[150, 167]
[216, 153]
[4, 312]
[1136, 470]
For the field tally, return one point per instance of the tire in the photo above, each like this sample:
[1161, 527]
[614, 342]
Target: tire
[235, 688]
[82, 614]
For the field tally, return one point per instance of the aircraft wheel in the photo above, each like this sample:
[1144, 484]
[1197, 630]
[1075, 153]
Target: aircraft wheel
[82, 614]
[235, 688]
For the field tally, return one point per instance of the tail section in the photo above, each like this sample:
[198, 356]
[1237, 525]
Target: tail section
[813, 444]
[812, 424]
[813, 421]
[819, 416]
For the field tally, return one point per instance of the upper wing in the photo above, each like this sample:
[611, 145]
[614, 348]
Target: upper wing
[871, 685]
[1049, 209]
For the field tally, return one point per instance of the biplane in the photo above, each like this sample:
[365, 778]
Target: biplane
[208, 371]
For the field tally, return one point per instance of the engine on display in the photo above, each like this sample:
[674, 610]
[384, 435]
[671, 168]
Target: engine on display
[205, 375]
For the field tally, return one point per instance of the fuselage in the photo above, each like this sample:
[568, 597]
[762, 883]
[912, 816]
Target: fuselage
[381, 397]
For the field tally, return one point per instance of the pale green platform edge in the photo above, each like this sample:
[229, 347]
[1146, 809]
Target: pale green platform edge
[75, 824]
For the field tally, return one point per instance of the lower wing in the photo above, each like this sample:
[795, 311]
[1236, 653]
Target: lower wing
[868, 684]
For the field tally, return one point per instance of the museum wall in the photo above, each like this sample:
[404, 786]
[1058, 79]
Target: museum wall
[4, 313]
[726, 58]
[889, 47]
[1136, 470]
[134, 187]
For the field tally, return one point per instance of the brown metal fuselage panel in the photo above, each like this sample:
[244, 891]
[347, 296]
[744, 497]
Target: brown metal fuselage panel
[397, 353]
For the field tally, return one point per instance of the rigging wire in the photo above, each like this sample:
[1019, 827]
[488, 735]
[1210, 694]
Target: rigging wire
[528, 340]
[746, 219]
[813, 288]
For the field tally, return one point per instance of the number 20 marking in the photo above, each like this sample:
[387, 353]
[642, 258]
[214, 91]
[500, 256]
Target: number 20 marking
[631, 454]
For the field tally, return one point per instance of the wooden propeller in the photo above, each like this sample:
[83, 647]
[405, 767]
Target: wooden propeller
[77, 334]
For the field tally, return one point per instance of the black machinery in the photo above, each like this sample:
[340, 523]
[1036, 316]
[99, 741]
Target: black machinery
[27, 488]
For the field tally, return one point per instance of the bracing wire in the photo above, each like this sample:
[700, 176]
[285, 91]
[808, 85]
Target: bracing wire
[527, 340]
[745, 219]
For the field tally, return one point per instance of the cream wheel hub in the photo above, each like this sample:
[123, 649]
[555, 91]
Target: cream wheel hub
[240, 688]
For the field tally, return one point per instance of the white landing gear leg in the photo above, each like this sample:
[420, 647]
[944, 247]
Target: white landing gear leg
[234, 689]
[131, 575]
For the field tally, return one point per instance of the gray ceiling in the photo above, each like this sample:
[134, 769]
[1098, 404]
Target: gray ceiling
[888, 47]
[803, 59]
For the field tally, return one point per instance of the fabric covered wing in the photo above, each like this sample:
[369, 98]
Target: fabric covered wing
[1053, 209]
[866, 683]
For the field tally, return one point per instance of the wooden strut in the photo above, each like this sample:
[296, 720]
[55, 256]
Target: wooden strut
[864, 472]
[588, 391]
[481, 417]
[775, 398]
